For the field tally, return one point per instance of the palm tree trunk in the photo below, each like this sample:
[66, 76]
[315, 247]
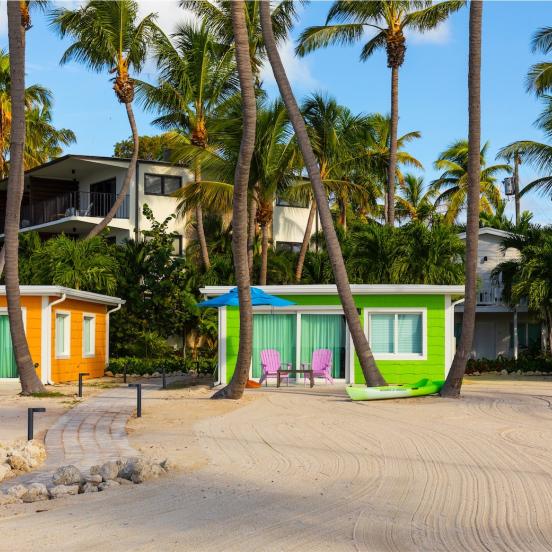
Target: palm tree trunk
[251, 232]
[204, 252]
[453, 383]
[2, 260]
[129, 176]
[264, 254]
[392, 169]
[305, 244]
[367, 362]
[234, 390]
[16, 33]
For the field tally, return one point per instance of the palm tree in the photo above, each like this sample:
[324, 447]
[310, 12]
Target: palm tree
[415, 200]
[453, 184]
[272, 169]
[234, 390]
[197, 76]
[453, 383]
[18, 21]
[347, 22]
[367, 362]
[539, 77]
[107, 35]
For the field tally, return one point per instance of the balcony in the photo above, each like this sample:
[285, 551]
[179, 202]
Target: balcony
[71, 204]
[490, 295]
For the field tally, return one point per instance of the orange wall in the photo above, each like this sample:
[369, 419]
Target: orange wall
[33, 307]
[68, 369]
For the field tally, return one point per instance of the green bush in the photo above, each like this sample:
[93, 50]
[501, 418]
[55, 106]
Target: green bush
[141, 366]
[523, 363]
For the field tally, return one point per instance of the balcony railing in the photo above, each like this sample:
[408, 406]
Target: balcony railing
[71, 204]
[489, 295]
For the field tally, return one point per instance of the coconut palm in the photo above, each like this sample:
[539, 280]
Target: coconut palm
[347, 22]
[18, 22]
[234, 390]
[362, 348]
[453, 383]
[108, 36]
[272, 169]
[539, 77]
[415, 200]
[196, 77]
[452, 186]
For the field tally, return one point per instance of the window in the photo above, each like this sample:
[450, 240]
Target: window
[529, 335]
[177, 245]
[293, 247]
[63, 335]
[161, 184]
[397, 334]
[88, 335]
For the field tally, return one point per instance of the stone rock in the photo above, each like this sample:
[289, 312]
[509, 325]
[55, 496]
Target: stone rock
[126, 469]
[156, 375]
[89, 488]
[63, 490]
[122, 481]
[118, 375]
[538, 373]
[476, 373]
[95, 479]
[530, 373]
[5, 471]
[34, 452]
[518, 372]
[9, 499]
[18, 462]
[110, 470]
[503, 372]
[108, 485]
[67, 475]
[108, 374]
[95, 470]
[36, 492]
[17, 491]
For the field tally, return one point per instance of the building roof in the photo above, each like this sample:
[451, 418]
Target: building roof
[357, 289]
[489, 231]
[70, 293]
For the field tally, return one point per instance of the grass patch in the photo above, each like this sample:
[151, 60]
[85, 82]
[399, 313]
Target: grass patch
[48, 395]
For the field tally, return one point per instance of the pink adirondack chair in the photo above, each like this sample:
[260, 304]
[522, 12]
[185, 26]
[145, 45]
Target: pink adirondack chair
[270, 364]
[322, 364]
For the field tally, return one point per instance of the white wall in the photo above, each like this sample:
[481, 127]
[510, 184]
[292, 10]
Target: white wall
[490, 247]
[290, 223]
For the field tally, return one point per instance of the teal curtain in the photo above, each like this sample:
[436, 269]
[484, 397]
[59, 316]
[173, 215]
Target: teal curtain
[382, 328]
[409, 338]
[273, 331]
[8, 368]
[324, 331]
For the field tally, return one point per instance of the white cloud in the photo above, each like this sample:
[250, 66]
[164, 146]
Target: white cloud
[439, 35]
[297, 69]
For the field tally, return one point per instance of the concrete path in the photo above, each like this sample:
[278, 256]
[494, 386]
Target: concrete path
[91, 433]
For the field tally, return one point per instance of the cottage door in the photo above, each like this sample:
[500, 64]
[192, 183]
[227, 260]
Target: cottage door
[8, 368]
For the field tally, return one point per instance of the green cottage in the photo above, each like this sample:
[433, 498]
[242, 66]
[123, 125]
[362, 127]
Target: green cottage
[410, 329]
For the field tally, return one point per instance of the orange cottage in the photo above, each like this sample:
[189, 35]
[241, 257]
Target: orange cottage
[67, 331]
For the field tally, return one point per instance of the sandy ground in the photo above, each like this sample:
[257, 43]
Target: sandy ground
[297, 469]
[13, 408]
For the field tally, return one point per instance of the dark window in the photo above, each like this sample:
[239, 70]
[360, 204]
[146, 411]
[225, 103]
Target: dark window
[293, 247]
[282, 202]
[157, 184]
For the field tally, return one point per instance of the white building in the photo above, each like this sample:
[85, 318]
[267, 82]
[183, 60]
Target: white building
[494, 321]
[74, 192]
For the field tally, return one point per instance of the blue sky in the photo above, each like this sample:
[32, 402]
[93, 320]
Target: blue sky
[433, 94]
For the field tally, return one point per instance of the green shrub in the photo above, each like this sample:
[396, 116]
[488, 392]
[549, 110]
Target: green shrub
[141, 366]
[525, 363]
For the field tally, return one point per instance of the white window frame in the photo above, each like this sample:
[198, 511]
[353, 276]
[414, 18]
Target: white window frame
[91, 354]
[66, 350]
[396, 311]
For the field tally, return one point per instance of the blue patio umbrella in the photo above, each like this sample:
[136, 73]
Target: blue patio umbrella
[258, 297]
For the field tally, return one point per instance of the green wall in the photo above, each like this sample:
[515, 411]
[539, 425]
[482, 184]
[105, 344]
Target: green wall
[394, 371]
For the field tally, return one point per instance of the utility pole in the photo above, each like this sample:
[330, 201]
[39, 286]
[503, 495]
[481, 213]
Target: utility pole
[517, 163]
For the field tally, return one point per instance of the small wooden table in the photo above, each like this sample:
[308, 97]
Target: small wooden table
[305, 371]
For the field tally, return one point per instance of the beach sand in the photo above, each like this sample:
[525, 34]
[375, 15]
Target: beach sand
[301, 469]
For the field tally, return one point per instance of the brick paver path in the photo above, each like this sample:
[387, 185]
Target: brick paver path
[92, 432]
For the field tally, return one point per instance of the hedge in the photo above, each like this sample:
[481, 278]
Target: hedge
[141, 366]
[525, 364]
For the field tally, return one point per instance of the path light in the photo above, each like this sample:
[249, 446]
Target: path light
[30, 421]
[81, 374]
[138, 398]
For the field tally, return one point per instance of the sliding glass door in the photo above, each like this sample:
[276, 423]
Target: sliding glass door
[274, 331]
[324, 331]
[8, 368]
